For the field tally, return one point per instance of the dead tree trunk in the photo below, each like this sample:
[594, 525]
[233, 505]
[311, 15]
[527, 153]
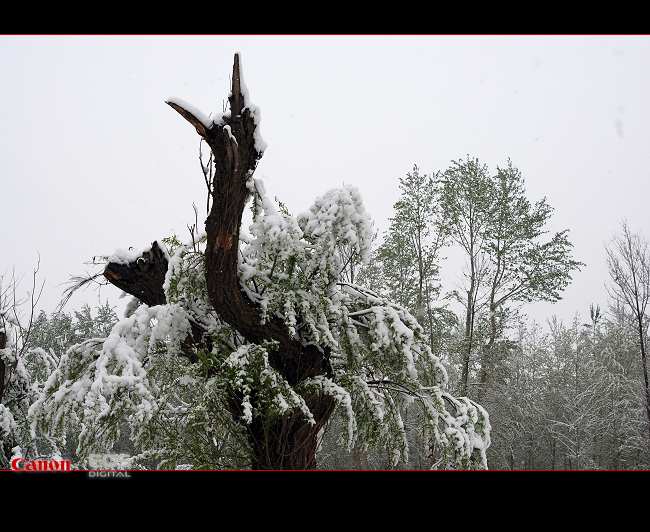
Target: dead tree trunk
[288, 442]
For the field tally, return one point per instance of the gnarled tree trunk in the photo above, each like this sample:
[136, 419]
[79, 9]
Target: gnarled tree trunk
[288, 442]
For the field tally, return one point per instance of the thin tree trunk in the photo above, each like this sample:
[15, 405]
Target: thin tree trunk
[7, 445]
[645, 368]
[3, 345]
[640, 312]
[469, 330]
[360, 459]
[487, 355]
[553, 447]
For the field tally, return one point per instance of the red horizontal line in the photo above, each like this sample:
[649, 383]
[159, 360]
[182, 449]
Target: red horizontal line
[324, 34]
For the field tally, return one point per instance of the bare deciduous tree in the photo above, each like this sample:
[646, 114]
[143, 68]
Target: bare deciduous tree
[16, 326]
[629, 268]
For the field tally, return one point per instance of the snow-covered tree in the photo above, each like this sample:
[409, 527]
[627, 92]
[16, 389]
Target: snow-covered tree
[241, 344]
[571, 397]
[628, 261]
[24, 367]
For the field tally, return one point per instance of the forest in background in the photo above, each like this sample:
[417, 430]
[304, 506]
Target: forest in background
[559, 395]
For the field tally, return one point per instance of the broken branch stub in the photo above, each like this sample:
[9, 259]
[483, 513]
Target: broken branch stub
[142, 278]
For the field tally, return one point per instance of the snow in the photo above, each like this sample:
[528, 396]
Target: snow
[127, 256]
[7, 422]
[203, 118]
[338, 218]
[186, 380]
[256, 113]
[260, 145]
[230, 135]
[131, 306]
[342, 398]
[218, 117]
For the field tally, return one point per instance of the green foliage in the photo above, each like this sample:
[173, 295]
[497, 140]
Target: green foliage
[172, 243]
[511, 258]
[60, 330]
[525, 266]
[405, 266]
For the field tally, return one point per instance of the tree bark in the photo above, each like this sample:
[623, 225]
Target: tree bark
[289, 442]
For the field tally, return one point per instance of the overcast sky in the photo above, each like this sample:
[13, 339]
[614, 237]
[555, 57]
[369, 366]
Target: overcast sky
[91, 158]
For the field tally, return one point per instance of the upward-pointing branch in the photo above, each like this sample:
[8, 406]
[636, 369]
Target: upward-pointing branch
[236, 96]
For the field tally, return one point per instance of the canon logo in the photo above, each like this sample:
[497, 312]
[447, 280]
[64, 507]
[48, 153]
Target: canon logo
[22, 464]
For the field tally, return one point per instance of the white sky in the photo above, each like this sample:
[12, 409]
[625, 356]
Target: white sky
[91, 158]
